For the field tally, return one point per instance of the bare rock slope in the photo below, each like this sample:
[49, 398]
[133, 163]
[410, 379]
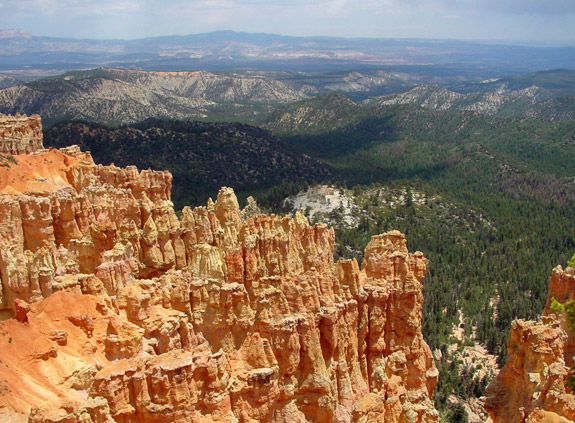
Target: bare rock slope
[531, 101]
[123, 312]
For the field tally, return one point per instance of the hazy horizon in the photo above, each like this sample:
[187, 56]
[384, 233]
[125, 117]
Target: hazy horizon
[511, 21]
[526, 42]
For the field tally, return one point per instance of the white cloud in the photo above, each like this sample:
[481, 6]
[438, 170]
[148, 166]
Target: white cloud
[212, 4]
[335, 6]
[543, 7]
[73, 7]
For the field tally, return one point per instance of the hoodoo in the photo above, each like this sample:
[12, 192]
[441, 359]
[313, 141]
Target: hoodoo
[118, 310]
[531, 386]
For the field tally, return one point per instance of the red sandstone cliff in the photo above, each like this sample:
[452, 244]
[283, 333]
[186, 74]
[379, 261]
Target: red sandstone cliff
[531, 386]
[126, 313]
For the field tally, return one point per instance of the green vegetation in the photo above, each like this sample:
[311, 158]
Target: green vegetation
[487, 200]
[493, 211]
[555, 82]
[556, 79]
[456, 415]
[568, 308]
[202, 157]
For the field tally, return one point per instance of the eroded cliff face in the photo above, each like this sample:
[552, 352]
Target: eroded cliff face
[531, 386]
[20, 134]
[125, 312]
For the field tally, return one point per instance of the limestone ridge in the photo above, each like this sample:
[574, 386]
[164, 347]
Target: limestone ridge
[126, 313]
[531, 386]
[20, 134]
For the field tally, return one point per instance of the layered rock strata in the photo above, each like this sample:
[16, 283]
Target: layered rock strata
[20, 134]
[531, 386]
[126, 312]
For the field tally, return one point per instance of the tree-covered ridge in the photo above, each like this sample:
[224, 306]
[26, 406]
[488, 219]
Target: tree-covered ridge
[518, 138]
[496, 216]
[545, 95]
[201, 156]
[557, 83]
[517, 173]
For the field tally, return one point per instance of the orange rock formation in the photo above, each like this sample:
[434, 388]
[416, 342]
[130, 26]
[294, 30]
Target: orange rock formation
[20, 134]
[125, 312]
[531, 386]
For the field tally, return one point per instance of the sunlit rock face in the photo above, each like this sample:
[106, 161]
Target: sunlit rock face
[531, 386]
[20, 134]
[125, 312]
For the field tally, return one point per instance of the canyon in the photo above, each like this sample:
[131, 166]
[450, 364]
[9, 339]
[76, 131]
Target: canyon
[118, 309]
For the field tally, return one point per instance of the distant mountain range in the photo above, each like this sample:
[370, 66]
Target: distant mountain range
[239, 76]
[546, 94]
[534, 102]
[117, 96]
[120, 96]
[225, 50]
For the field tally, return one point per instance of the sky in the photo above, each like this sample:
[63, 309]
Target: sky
[546, 21]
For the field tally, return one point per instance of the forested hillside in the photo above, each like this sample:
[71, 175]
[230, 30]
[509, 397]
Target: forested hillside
[488, 200]
[201, 156]
[517, 174]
